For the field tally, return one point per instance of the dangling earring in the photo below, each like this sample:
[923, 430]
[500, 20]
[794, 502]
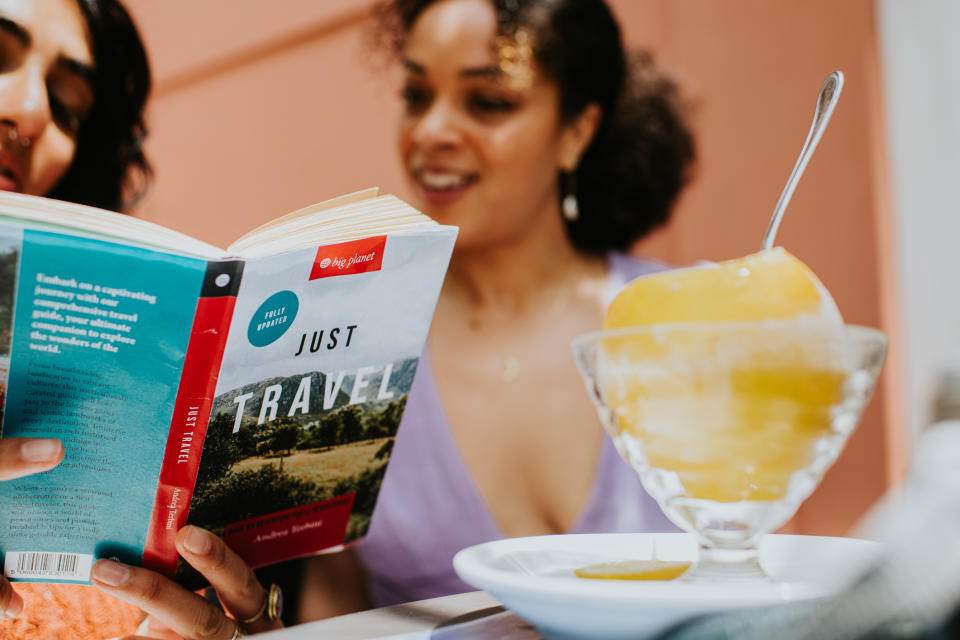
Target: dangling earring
[570, 207]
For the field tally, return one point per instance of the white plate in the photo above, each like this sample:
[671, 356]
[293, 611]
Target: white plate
[534, 578]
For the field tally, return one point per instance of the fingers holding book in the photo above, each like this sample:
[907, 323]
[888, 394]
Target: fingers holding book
[20, 457]
[23, 456]
[153, 629]
[235, 583]
[184, 612]
[175, 610]
[11, 604]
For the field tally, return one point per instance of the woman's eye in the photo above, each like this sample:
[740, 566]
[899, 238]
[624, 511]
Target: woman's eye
[12, 45]
[70, 98]
[67, 119]
[415, 99]
[483, 104]
[10, 53]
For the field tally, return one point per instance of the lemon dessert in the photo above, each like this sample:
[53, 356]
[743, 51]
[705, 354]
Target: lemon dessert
[724, 395]
[764, 407]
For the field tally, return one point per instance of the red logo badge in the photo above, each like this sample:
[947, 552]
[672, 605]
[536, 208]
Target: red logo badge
[356, 256]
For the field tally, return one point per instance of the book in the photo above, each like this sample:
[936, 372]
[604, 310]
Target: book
[254, 391]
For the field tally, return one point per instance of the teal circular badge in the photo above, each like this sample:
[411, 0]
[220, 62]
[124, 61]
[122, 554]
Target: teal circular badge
[272, 318]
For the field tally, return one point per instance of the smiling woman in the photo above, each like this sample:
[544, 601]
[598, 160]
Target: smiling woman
[524, 123]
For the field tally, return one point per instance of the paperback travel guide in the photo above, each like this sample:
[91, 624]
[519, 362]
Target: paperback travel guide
[254, 391]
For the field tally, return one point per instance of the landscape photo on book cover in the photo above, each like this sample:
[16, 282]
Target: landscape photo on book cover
[312, 442]
[290, 441]
[312, 387]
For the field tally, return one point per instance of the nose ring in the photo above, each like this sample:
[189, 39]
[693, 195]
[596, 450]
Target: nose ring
[14, 137]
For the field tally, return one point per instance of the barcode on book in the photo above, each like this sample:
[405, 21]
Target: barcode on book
[47, 564]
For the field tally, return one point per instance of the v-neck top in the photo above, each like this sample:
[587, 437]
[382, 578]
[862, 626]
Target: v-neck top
[429, 506]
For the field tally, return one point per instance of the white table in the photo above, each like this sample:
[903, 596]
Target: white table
[472, 616]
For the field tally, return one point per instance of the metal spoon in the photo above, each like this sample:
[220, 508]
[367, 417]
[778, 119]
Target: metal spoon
[826, 101]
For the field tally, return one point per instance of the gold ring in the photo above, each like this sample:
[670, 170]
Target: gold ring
[272, 605]
[238, 632]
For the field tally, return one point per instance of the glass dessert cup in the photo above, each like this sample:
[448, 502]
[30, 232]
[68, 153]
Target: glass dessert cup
[730, 426]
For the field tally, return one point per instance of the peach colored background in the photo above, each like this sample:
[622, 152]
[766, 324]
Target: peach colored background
[260, 108]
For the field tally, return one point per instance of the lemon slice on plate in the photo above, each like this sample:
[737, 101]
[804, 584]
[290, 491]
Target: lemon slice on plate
[634, 570]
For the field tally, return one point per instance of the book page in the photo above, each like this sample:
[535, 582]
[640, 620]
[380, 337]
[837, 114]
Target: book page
[66, 217]
[311, 212]
[353, 216]
[349, 216]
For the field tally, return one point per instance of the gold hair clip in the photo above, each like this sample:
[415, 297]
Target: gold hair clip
[515, 58]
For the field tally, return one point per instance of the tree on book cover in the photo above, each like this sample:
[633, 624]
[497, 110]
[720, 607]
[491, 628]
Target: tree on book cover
[256, 390]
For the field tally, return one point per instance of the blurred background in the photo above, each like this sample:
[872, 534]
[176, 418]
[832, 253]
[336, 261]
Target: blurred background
[260, 108]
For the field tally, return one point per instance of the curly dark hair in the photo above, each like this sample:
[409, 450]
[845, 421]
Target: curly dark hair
[109, 169]
[640, 158]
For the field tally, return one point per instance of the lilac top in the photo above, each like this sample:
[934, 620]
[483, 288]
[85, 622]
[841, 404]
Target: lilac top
[429, 507]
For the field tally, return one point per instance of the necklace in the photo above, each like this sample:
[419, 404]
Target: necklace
[510, 362]
[552, 304]
[511, 368]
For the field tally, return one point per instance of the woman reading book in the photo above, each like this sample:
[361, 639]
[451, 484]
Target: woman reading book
[74, 80]
[526, 125]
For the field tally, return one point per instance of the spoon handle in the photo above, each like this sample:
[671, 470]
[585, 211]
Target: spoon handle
[826, 101]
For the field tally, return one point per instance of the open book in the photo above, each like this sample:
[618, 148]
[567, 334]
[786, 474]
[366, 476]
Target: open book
[254, 391]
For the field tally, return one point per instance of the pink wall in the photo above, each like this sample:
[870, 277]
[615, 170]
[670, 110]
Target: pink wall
[259, 110]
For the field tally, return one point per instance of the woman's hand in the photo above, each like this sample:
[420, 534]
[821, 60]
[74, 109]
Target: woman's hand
[20, 457]
[178, 613]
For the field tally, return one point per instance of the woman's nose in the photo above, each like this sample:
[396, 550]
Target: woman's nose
[438, 126]
[24, 103]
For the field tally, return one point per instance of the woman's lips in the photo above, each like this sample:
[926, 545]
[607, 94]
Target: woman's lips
[8, 181]
[442, 186]
[11, 171]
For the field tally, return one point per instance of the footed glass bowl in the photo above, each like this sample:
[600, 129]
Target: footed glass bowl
[730, 426]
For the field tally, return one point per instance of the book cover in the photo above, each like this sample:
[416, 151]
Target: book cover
[99, 333]
[254, 393]
[315, 376]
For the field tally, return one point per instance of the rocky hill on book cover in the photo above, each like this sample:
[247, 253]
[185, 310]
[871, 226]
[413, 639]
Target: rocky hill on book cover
[256, 397]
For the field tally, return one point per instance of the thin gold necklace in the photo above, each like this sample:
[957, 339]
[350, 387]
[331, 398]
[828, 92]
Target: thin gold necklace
[510, 369]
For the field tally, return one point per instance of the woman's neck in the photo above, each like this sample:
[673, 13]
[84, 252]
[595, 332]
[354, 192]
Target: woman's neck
[521, 277]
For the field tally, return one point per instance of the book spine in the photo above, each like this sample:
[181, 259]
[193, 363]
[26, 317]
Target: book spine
[191, 413]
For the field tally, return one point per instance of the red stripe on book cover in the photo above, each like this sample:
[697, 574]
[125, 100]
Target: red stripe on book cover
[291, 533]
[188, 427]
[356, 256]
